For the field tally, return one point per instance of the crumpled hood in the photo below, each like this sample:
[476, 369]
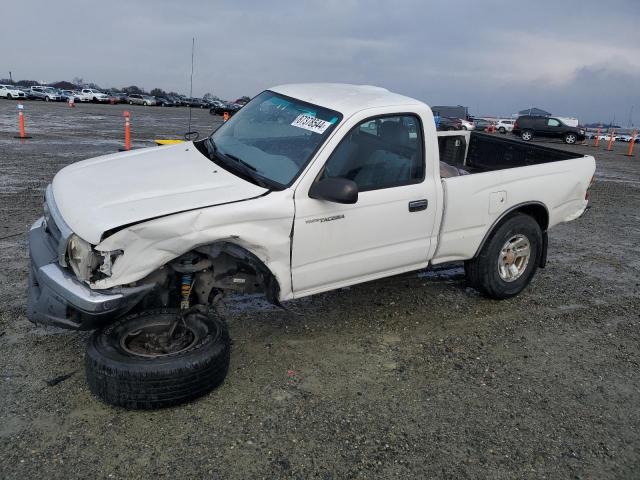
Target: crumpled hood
[106, 192]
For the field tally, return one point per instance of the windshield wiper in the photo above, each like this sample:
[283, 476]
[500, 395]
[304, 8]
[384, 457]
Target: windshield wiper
[241, 162]
[248, 169]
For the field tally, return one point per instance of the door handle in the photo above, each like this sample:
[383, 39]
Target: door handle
[418, 205]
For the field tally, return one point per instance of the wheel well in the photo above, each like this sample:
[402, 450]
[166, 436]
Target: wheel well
[234, 257]
[215, 268]
[536, 210]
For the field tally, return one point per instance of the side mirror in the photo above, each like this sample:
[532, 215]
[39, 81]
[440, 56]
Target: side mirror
[336, 190]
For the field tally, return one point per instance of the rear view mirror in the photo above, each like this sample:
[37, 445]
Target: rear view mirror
[336, 190]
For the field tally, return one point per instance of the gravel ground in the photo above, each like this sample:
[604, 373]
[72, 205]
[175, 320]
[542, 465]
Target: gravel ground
[414, 376]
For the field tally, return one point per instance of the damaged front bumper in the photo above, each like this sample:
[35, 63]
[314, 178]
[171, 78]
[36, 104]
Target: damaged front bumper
[56, 297]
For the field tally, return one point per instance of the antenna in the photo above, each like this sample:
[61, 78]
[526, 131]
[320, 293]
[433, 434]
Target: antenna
[193, 46]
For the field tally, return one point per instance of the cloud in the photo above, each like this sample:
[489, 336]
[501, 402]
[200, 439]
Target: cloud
[494, 56]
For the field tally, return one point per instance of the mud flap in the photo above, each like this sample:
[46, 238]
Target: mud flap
[543, 254]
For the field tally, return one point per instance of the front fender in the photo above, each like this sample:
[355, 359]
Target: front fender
[262, 226]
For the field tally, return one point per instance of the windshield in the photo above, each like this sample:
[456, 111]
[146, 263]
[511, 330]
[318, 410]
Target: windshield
[274, 136]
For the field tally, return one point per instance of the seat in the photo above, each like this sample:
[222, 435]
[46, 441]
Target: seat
[386, 166]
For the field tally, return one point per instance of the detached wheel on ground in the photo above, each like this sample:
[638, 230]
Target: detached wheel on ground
[508, 260]
[157, 359]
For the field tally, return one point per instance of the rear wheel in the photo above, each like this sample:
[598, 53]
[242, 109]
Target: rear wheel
[157, 359]
[526, 135]
[508, 260]
[502, 130]
[570, 138]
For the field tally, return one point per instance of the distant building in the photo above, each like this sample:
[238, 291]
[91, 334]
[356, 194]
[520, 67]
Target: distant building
[534, 111]
[454, 112]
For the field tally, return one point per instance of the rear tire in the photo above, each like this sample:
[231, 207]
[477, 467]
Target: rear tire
[498, 271]
[526, 135]
[502, 130]
[123, 368]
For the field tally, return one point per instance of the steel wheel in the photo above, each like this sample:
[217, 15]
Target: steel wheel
[158, 339]
[514, 258]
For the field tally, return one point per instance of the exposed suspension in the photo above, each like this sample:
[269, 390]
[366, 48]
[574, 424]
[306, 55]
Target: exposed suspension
[186, 284]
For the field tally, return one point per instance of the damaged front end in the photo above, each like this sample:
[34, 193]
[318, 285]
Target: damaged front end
[68, 273]
[62, 265]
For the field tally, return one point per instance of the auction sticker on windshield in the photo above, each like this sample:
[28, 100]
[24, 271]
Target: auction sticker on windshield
[310, 123]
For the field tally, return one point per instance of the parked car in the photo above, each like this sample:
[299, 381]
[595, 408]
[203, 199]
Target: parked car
[93, 95]
[448, 123]
[504, 125]
[195, 103]
[482, 125]
[607, 136]
[116, 97]
[627, 138]
[164, 101]
[139, 99]
[176, 99]
[529, 126]
[11, 92]
[42, 92]
[219, 108]
[347, 184]
[67, 95]
[466, 124]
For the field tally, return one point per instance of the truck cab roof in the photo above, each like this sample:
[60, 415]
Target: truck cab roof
[344, 98]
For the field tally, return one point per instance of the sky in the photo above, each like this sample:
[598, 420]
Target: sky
[572, 58]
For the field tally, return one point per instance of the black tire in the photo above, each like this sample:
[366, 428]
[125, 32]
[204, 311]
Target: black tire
[130, 103]
[46, 99]
[9, 96]
[526, 135]
[570, 138]
[120, 377]
[502, 130]
[483, 271]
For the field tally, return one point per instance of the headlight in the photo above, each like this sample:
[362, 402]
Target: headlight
[81, 258]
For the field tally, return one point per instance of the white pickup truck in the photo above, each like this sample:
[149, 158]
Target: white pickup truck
[308, 188]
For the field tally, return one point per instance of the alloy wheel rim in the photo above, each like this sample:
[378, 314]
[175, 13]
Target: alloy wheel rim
[514, 258]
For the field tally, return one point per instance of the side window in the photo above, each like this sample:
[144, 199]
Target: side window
[380, 153]
[553, 122]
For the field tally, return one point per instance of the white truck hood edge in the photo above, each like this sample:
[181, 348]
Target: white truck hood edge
[106, 192]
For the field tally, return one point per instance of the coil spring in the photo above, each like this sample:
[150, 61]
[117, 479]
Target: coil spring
[185, 290]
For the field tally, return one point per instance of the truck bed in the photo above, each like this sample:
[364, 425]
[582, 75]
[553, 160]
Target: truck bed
[479, 152]
[503, 175]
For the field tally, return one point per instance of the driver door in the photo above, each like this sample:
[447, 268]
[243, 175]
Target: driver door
[388, 230]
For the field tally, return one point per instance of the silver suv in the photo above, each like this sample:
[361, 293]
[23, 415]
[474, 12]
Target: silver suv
[138, 99]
